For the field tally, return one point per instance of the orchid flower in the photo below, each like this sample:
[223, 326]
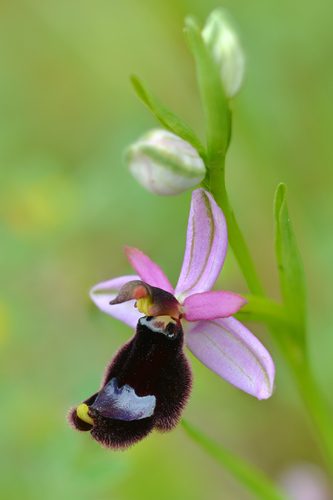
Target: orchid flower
[148, 382]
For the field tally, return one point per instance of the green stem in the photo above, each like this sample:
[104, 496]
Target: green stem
[235, 236]
[249, 476]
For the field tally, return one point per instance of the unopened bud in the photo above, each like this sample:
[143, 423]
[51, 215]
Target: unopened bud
[221, 38]
[165, 164]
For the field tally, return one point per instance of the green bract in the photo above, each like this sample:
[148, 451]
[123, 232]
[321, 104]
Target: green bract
[290, 265]
[169, 120]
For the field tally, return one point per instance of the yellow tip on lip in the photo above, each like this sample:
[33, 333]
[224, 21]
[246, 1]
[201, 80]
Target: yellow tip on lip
[82, 413]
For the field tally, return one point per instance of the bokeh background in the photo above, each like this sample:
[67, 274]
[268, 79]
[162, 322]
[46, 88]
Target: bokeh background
[68, 206]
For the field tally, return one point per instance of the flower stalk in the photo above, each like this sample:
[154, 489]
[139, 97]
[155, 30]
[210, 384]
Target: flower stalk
[288, 332]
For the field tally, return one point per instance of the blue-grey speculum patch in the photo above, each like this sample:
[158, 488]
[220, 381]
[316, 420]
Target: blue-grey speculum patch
[122, 403]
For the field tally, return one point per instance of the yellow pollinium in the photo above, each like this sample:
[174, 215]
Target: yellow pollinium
[144, 305]
[82, 413]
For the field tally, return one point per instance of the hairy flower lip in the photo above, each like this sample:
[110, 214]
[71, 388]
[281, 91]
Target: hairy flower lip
[217, 339]
[146, 385]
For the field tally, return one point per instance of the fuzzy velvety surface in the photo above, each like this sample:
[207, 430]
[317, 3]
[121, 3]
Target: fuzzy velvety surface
[152, 363]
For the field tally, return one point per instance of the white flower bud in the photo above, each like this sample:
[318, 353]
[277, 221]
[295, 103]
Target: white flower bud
[165, 164]
[221, 38]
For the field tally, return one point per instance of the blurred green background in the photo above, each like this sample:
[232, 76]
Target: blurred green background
[68, 206]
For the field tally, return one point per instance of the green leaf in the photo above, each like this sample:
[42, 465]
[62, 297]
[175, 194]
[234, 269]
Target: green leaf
[215, 104]
[253, 480]
[166, 117]
[290, 267]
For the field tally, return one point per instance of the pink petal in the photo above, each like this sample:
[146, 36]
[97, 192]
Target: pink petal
[212, 305]
[102, 293]
[229, 349]
[206, 246]
[148, 271]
